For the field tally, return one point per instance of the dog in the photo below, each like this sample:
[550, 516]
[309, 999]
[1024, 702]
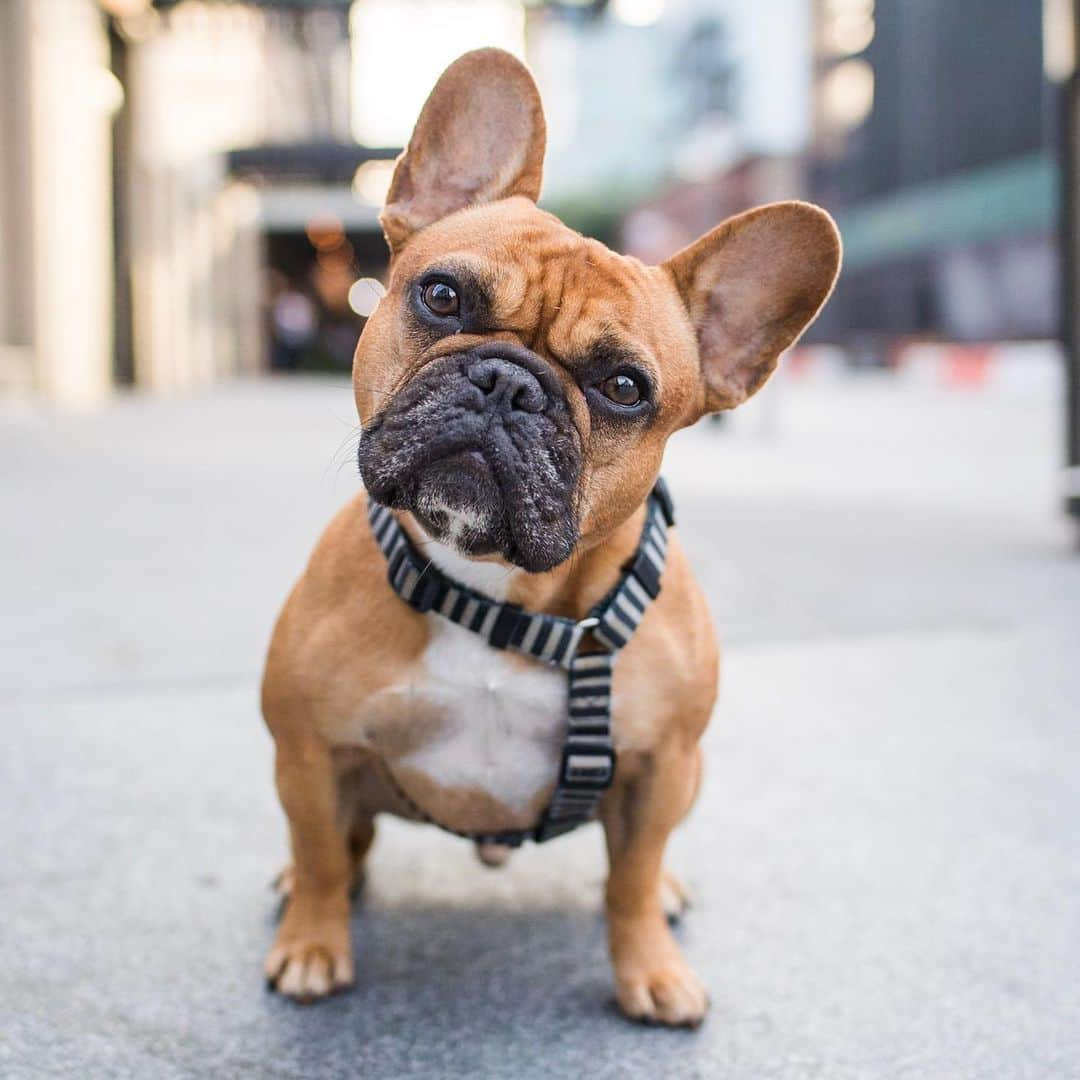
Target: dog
[516, 386]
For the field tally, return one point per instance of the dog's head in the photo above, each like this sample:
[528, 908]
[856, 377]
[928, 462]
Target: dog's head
[518, 382]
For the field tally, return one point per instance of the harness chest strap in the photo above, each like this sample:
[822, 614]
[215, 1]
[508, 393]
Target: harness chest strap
[587, 766]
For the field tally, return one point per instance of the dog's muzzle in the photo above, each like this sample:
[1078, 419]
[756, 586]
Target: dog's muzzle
[481, 448]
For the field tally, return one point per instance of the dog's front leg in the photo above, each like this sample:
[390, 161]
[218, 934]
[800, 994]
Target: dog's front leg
[653, 982]
[312, 953]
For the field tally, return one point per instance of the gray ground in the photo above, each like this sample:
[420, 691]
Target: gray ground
[886, 857]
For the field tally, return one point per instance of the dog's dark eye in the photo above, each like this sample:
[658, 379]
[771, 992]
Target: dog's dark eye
[441, 299]
[623, 389]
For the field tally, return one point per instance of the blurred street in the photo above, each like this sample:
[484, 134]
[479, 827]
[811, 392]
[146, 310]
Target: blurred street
[886, 856]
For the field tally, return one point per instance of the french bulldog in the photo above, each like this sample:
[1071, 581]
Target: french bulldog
[516, 387]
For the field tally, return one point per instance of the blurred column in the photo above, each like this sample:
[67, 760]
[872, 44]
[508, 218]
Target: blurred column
[59, 97]
[16, 254]
[1070, 244]
[198, 270]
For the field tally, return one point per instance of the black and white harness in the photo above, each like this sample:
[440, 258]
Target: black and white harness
[586, 649]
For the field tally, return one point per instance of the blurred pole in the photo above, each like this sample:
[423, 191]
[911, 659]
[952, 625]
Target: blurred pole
[63, 96]
[1070, 255]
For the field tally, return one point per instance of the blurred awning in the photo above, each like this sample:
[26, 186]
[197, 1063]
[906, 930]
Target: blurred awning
[283, 5]
[579, 9]
[309, 162]
[292, 208]
[1016, 197]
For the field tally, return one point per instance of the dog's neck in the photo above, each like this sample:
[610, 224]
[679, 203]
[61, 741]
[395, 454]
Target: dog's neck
[570, 590]
[492, 577]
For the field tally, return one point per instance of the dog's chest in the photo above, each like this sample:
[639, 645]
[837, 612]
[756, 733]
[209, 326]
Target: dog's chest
[501, 723]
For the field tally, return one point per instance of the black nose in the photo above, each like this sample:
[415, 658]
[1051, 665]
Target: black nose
[508, 384]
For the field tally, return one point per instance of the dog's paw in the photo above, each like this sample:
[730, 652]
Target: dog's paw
[671, 995]
[311, 958]
[653, 983]
[675, 898]
[308, 971]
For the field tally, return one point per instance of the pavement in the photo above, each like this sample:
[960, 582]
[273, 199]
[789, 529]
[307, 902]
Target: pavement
[885, 858]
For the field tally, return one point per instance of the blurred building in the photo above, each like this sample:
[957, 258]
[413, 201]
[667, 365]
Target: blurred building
[665, 116]
[935, 129]
[154, 155]
[930, 132]
[190, 188]
[57, 100]
[130, 253]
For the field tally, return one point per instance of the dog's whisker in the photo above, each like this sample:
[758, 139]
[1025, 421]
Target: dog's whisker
[345, 452]
[374, 389]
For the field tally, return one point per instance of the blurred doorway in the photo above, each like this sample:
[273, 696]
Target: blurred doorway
[309, 272]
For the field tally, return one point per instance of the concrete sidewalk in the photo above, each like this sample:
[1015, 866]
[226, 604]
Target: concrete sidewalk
[886, 856]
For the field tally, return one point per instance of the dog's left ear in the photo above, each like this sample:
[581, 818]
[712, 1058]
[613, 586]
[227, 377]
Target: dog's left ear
[751, 286]
[480, 137]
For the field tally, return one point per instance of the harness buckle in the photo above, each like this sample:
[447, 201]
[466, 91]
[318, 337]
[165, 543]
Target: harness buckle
[582, 627]
[587, 768]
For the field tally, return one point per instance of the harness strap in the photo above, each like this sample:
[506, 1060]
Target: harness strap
[548, 638]
[587, 767]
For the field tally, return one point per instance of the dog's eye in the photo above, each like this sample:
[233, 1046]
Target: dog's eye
[441, 299]
[623, 389]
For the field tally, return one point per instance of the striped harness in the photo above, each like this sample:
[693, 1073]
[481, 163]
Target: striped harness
[588, 753]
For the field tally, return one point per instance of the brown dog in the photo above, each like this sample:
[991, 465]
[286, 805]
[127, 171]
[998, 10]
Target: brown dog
[516, 387]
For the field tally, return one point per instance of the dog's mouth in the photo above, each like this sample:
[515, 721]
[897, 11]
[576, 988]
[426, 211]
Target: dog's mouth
[479, 472]
[454, 504]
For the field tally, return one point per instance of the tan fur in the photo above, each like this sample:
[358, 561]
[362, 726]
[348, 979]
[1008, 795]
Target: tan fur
[346, 655]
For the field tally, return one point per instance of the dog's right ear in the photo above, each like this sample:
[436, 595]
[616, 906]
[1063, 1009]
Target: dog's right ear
[480, 137]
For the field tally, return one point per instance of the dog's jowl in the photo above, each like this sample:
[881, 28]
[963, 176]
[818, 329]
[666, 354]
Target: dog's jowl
[503, 637]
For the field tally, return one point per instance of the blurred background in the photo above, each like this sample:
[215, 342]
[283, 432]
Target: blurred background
[189, 189]
[885, 852]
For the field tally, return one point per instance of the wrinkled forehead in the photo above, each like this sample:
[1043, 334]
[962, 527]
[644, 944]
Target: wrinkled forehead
[563, 294]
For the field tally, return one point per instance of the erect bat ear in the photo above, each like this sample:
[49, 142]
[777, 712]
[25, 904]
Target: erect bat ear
[751, 286]
[480, 137]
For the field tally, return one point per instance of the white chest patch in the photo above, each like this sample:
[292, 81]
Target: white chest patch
[504, 721]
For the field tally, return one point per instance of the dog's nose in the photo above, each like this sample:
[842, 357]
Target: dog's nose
[504, 381]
